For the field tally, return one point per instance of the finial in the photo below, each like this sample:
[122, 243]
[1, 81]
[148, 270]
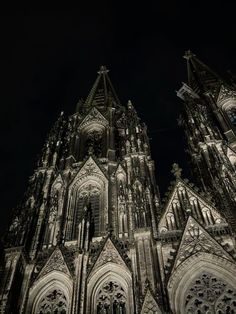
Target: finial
[103, 70]
[130, 105]
[188, 54]
[176, 170]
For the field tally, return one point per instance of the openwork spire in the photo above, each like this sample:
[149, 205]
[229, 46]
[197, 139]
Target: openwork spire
[200, 77]
[102, 93]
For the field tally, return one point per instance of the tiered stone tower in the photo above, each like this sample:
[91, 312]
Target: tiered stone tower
[91, 235]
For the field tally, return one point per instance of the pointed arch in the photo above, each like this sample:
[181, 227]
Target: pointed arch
[55, 287]
[89, 187]
[112, 279]
[191, 270]
[92, 137]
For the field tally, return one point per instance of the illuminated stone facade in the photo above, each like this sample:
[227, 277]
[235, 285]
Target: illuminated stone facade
[91, 235]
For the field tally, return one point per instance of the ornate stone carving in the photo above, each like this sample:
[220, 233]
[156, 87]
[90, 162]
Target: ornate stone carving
[226, 93]
[150, 305]
[111, 298]
[54, 302]
[109, 253]
[90, 168]
[209, 294]
[94, 116]
[88, 190]
[195, 239]
[55, 262]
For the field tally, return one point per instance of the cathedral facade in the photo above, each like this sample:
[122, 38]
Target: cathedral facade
[92, 236]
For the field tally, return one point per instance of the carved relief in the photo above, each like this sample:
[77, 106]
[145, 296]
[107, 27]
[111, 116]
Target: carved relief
[195, 239]
[109, 253]
[89, 168]
[150, 305]
[55, 262]
[94, 116]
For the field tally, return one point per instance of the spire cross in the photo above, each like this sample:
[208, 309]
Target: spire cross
[188, 54]
[103, 70]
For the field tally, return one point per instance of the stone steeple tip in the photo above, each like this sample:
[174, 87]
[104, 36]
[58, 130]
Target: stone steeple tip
[201, 78]
[103, 70]
[188, 54]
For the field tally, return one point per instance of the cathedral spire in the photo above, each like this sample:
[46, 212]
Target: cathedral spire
[102, 93]
[200, 77]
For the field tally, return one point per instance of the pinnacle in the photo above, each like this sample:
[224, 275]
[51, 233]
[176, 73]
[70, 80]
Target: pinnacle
[176, 170]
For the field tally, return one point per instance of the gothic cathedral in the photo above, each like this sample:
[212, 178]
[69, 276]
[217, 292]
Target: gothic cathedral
[92, 236]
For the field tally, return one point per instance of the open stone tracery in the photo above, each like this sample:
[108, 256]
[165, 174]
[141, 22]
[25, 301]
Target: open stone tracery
[54, 302]
[111, 298]
[209, 294]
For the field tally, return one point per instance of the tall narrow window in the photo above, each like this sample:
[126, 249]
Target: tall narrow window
[89, 197]
[95, 207]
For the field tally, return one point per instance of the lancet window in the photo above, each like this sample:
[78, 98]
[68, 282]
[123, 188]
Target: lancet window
[54, 302]
[209, 294]
[111, 298]
[88, 202]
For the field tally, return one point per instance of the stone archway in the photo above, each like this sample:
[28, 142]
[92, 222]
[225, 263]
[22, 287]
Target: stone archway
[204, 283]
[110, 287]
[52, 292]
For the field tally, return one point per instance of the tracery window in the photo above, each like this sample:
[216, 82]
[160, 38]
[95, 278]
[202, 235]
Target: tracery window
[94, 143]
[231, 112]
[111, 298]
[54, 302]
[209, 294]
[89, 198]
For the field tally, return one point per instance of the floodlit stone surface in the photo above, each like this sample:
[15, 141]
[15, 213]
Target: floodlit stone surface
[92, 236]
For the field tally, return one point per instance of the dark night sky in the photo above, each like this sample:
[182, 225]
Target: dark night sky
[49, 61]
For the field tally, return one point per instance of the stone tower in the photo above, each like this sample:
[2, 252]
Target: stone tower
[91, 235]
